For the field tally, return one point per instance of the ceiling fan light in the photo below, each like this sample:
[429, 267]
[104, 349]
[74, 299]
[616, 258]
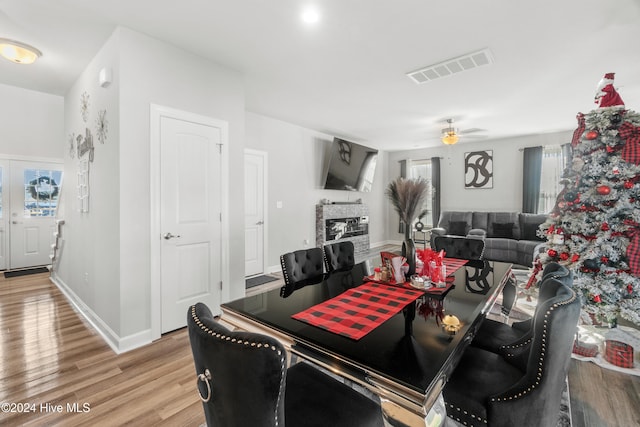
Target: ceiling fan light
[450, 138]
[17, 52]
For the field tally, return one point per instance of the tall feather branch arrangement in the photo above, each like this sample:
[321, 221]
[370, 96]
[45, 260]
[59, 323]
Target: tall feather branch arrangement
[407, 197]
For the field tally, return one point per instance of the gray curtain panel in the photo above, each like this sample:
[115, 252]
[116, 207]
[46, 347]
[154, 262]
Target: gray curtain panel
[567, 157]
[404, 172]
[435, 181]
[532, 171]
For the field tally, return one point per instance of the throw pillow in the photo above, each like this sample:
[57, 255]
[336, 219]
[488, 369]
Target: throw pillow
[529, 232]
[458, 228]
[504, 230]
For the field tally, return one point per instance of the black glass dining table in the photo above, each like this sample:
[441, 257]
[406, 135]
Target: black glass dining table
[407, 359]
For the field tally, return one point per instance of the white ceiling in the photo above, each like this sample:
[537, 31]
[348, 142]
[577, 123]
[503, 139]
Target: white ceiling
[345, 75]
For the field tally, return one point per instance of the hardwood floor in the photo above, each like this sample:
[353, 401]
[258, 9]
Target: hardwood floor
[49, 356]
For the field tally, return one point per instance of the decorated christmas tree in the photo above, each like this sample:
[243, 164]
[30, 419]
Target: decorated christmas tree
[594, 227]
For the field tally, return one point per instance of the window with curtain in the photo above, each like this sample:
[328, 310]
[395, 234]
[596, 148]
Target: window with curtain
[553, 161]
[422, 169]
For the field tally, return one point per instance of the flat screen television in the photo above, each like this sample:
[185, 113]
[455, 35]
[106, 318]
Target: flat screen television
[351, 166]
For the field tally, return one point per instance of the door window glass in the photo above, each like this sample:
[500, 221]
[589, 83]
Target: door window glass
[42, 189]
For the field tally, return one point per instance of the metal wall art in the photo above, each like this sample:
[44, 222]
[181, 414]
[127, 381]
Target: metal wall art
[478, 169]
[81, 145]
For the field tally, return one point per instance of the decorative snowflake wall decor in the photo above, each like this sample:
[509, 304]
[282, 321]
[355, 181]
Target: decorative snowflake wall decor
[84, 106]
[102, 126]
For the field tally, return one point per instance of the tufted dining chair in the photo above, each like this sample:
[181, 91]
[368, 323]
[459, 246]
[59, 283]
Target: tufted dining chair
[301, 265]
[524, 386]
[339, 256]
[494, 335]
[243, 380]
[459, 247]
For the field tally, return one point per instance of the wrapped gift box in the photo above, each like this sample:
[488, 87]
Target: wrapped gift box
[618, 353]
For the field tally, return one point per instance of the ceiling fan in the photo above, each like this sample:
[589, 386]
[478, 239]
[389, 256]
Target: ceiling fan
[450, 135]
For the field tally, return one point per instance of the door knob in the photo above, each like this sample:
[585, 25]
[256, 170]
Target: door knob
[168, 236]
[259, 222]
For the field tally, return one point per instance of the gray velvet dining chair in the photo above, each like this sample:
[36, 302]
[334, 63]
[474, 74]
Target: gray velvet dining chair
[494, 335]
[460, 247]
[522, 387]
[339, 255]
[303, 264]
[243, 380]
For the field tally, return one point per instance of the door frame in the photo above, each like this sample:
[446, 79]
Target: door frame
[6, 159]
[265, 203]
[157, 112]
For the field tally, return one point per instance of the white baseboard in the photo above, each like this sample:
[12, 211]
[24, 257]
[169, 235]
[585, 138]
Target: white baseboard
[118, 344]
[274, 269]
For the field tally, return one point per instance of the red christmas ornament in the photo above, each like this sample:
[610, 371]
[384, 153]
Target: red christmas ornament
[604, 259]
[603, 190]
[604, 226]
[552, 253]
[597, 299]
[575, 258]
[630, 288]
[628, 185]
[592, 134]
[564, 256]
[610, 149]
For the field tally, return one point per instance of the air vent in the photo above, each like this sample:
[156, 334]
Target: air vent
[452, 66]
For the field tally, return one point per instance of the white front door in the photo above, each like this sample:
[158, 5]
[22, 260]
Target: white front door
[190, 218]
[35, 187]
[254, 212]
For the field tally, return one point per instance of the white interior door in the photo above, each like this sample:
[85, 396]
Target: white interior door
[190, 218]
[254, 212]
[35, 187]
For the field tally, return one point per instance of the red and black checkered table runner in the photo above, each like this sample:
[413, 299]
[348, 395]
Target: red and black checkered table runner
[358, 311]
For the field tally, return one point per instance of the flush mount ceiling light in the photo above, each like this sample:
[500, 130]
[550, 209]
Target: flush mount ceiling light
[450, 134]
[18, 52]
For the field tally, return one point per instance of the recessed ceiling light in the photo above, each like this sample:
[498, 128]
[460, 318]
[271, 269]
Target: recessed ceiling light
[310, 15]
[18, 52]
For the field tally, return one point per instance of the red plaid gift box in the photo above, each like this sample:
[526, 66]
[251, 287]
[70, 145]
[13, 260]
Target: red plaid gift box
[618, 353]
[584, 349]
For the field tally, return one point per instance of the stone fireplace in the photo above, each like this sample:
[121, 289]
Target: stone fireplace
[343, 221]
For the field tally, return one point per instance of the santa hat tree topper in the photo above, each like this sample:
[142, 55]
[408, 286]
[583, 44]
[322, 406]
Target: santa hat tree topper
[606, 94]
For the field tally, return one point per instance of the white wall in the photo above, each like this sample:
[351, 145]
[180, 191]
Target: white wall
[296, 165]
[89, 269]
[506, 194]
[156, 72]
[111, 244]
[31, 123]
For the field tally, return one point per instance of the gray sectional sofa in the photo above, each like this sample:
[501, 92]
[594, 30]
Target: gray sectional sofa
[509, 236]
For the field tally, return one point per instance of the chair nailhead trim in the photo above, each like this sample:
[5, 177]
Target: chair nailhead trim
[466, 413]
[255, 344]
